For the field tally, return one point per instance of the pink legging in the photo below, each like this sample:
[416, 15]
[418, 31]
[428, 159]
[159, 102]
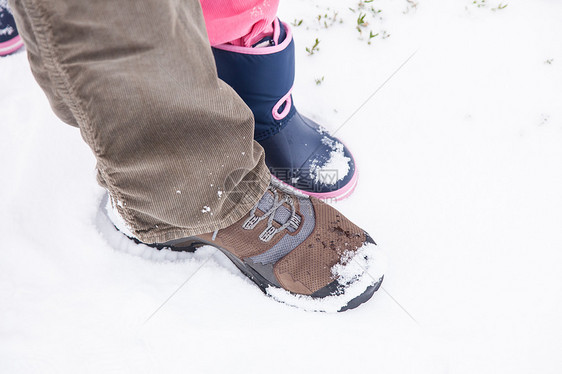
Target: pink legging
[239, 22]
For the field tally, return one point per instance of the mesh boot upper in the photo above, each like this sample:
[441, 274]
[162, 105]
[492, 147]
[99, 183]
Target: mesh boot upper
[301, 258]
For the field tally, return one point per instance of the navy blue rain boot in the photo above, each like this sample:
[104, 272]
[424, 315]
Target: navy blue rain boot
[10, 41]
[298, 151]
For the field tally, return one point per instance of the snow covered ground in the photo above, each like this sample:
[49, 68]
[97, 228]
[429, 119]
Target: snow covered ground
[460, 158]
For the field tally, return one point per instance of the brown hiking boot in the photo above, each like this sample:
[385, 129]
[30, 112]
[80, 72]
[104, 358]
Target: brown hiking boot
[296, 249]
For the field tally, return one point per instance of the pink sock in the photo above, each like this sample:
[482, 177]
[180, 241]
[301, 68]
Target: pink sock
[239, 22]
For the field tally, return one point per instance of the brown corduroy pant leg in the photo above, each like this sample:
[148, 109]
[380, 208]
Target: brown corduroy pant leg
[174, 144]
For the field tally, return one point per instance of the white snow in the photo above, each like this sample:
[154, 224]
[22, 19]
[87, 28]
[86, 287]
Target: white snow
[9, 30]
[106, 224]
[335, 168]
[116, 218]
[460, 184]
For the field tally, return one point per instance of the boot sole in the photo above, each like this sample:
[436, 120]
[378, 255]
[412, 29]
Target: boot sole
[10, 46]
[333, 289]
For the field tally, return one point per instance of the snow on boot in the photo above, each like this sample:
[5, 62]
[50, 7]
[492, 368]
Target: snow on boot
[298, 151]
[10, 41]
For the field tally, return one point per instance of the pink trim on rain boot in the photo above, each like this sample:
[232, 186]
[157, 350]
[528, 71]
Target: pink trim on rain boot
[259, 51]
[337, 195]
[11, 46]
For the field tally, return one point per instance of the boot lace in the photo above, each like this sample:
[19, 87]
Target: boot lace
[270, 231]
